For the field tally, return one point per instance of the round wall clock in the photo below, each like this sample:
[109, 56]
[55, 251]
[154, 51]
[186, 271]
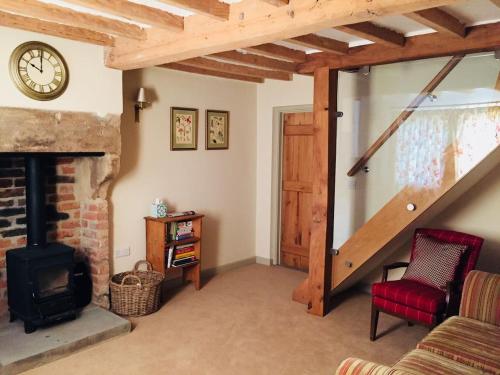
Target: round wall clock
[39, 71]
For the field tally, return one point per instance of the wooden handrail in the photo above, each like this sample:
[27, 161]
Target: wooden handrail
[407, 112]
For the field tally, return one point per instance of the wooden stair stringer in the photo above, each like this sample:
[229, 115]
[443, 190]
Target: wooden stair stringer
[394, 224]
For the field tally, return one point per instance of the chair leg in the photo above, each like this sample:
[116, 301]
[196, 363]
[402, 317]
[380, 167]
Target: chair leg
[374, 323]
[410, 324]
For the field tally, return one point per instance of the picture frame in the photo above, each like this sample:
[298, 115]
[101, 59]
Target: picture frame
[183, 128]
[217, 130]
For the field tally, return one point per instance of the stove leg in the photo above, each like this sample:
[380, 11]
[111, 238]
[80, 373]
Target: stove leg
[12, 317]
[29, 328]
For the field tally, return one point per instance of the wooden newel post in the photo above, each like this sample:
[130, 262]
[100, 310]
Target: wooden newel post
[324, 157]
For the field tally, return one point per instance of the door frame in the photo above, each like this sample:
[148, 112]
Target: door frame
[277, 159]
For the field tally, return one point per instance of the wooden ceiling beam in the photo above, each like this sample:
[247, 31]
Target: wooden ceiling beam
[135, 12]
[321, 43]
[55, 29]
[251, 25]
[439, 20]
[280, 52]
[256, 60]
[206, 72]
[479, 39]
[211, 8]
[374, 33]
[66, 16]
[277, 3]
[209, 64]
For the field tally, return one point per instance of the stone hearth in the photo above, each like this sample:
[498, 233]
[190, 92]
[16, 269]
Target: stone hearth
[77, 187]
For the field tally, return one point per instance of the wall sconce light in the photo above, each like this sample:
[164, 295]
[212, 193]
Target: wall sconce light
[141, 103]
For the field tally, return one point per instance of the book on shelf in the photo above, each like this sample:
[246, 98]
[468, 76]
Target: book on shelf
[170, 256]
[178, 231]
[181, 255]
[185, 255]
[184, 262]
[184, 251]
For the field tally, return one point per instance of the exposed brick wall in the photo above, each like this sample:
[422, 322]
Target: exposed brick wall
[82, 225]
[95, 245]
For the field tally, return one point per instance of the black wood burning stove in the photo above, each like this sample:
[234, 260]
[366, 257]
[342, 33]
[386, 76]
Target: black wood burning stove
[40, 278]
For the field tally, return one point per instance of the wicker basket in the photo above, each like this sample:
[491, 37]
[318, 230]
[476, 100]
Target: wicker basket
[136, 293]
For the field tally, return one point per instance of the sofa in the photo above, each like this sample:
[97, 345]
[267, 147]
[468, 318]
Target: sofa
[465, 344]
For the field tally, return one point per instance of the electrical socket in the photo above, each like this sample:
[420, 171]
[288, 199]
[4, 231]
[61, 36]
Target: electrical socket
[123, 252]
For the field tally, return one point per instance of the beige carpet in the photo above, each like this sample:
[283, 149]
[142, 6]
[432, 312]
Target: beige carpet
[243, 322]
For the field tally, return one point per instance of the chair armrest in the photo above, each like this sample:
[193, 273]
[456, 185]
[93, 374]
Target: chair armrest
[360, 367]
[452, 298]
[392, 266]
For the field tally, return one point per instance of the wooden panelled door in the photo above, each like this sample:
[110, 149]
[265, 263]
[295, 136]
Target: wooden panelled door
[296, 190]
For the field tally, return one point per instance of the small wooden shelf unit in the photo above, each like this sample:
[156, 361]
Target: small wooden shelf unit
[156, 245]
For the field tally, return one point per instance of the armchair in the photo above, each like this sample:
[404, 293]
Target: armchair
[416, 301]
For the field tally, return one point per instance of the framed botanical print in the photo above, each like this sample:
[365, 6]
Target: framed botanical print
[217, 132]
[183, 128]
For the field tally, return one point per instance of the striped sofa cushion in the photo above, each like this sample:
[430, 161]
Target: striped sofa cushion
[420, 362]
[481, 297]
[467, 341]
[355, 366]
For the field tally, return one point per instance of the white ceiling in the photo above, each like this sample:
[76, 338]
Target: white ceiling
[471, 12]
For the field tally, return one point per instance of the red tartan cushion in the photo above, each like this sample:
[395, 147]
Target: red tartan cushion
[411, 294]
[434, 262]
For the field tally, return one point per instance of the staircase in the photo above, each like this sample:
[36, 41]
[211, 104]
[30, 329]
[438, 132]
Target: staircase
[440, 157]
[394, 223]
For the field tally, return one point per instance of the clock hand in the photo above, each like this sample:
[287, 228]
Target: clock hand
[34, 66]
[41, 62]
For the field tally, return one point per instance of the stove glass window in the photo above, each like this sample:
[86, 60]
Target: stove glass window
[52, 280]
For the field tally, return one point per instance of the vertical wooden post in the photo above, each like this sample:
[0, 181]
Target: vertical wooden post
[324, 157]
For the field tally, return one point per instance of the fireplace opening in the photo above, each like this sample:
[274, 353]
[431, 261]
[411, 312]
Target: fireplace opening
[40, 276]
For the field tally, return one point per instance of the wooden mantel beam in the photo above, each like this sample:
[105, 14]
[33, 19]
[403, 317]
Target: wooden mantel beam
[55, 29]
[251, 23]
[66, 16]
[479, 38]
[439, 20]
[211, 8]
[135, 12]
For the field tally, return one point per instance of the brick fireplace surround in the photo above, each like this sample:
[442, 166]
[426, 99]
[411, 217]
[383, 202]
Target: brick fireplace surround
[77, 187]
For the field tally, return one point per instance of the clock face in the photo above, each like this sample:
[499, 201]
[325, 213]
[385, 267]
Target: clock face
[39, 71]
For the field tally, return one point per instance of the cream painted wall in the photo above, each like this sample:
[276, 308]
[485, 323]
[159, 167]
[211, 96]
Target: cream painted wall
[92, 87]
[220, 184]
[272, 94]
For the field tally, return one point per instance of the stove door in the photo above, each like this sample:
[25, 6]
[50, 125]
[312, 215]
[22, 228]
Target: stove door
[51, 281]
